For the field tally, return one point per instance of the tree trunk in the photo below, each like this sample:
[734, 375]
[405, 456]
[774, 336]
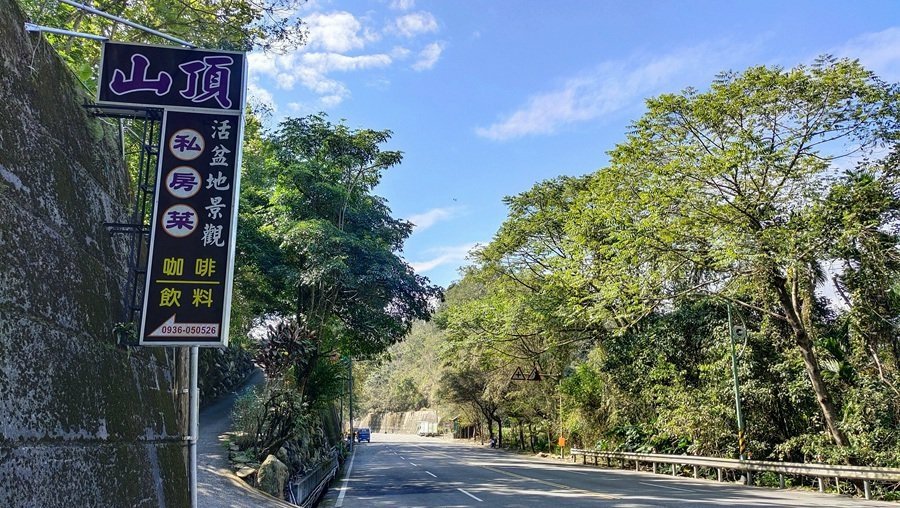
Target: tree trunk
[521, 436]
[829, 412]
[499, 432]
[810, 362]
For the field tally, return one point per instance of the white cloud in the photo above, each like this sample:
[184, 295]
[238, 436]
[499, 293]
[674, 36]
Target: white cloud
[328, 62]
[444, 256]
[399, 52]
[340, 41]
[425, 220]
[611, 87]
[428, 57]
[878, 51]
[417, 23]
[402, 5]
[311, 71]
[337, 32]
[259, 96]
[330, 101]
[262, 63]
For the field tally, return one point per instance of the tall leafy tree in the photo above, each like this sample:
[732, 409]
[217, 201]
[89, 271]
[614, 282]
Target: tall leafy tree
[712, 193]
[326, 247]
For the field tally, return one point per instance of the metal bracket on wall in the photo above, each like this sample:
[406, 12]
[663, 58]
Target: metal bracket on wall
[139, 138]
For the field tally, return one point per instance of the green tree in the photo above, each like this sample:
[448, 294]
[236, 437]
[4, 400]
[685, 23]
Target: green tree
[227, 24]
[861, 215]
[321, 247]
[317, 263]
[712, 193]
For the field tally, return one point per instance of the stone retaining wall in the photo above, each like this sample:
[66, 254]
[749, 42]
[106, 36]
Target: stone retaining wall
[82, 422]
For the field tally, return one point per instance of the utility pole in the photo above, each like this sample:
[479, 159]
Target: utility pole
[562, 439]
[737, 387]
[350, 405]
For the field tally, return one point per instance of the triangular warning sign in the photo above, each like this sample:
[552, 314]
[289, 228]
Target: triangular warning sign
[518, 375]
[535, 375]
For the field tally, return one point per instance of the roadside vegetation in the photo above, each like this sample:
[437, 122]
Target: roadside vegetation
[772, 196]
[317, 269]
[774, 192]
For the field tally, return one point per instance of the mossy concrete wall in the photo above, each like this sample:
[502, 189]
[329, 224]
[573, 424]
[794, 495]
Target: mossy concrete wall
[82, 423]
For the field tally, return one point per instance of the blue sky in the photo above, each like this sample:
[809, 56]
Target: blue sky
[486, 98]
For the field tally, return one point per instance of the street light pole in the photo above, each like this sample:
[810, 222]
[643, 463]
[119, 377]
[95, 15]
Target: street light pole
[737, 388]
[350, 404]
[561, 438]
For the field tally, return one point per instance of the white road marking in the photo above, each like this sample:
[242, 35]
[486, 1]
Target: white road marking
[432, 474]
[346, 480]
[470, 495]
[414, 464]
[664, 486]
[529, 478]
[401, 457]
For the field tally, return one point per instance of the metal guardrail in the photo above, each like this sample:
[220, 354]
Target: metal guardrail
[307, 490]
[819, 471]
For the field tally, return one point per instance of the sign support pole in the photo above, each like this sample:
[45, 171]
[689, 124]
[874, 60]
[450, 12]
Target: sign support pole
[737, 388]
[194, 422]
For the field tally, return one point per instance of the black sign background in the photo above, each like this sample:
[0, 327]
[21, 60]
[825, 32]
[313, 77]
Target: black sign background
[165, 59]
[159, 310]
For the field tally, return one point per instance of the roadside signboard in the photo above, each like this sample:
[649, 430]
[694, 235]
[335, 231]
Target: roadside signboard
[172, 78]
[187, 296]
[189, 270]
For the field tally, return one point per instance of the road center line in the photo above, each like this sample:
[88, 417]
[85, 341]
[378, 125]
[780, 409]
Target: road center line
[529, 478]
[470, 495]
[432, 474]
[665, 486]
[346, 480]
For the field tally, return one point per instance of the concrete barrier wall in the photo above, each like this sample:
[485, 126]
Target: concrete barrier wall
[398, 423]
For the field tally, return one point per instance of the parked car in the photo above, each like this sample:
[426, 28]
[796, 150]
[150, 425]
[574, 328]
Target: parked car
[363, 434]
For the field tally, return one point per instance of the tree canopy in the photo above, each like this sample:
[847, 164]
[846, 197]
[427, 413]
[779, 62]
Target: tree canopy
[774, 192]
[315, 243]
[239, 25]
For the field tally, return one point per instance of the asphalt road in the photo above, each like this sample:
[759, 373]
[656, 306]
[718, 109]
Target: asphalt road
[401, 470]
